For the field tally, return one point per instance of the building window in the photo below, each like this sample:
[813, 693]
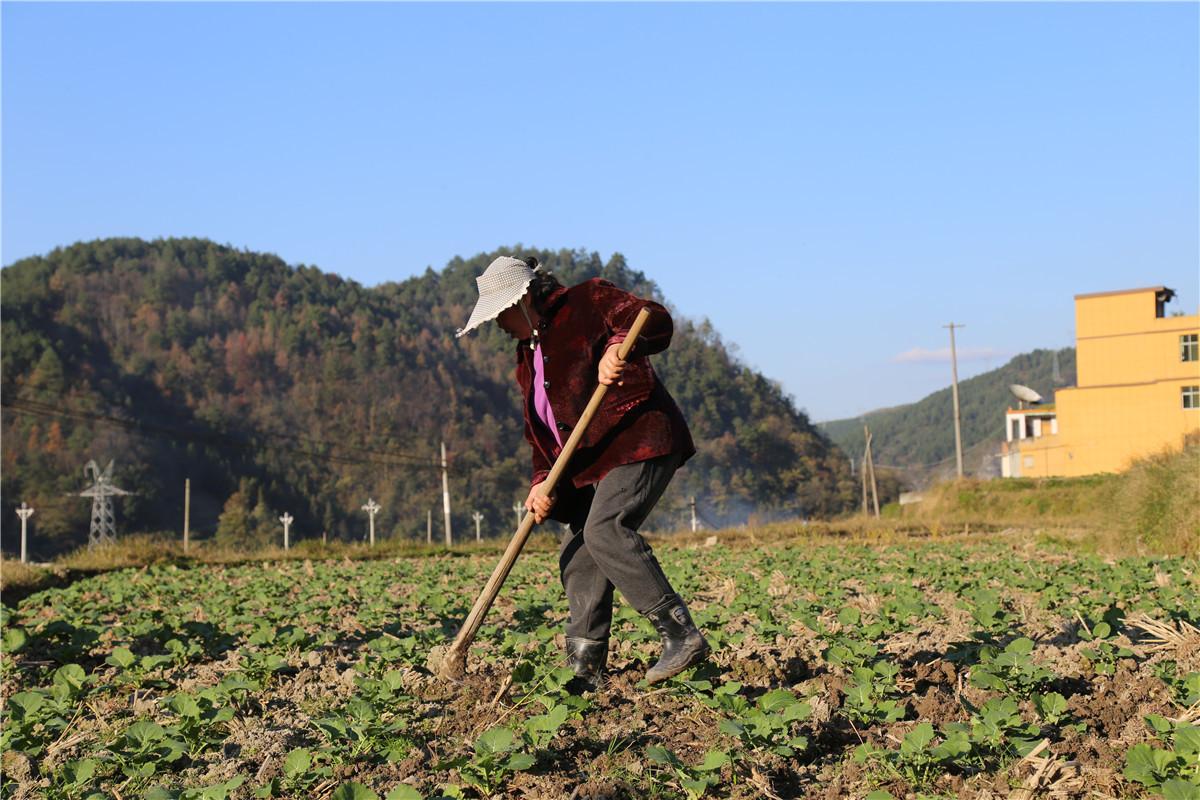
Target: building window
[1189, 347]
[1191, 396]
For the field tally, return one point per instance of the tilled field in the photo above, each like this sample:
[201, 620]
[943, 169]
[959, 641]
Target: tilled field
[986, 669]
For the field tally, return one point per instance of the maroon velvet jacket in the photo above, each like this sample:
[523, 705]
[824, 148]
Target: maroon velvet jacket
[636, 421]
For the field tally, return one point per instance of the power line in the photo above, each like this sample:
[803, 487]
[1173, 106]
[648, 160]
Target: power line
[972, 450]
[917, 466]
[298, 445]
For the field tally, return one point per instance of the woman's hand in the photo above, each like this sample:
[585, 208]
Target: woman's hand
[611, 366]
[539, 505]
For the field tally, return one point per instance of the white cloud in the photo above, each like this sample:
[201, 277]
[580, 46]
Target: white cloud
[919, 355]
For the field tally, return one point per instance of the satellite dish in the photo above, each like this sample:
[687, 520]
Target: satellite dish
[1025, 394]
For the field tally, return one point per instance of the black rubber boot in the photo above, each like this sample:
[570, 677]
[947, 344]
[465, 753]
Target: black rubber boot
[587, 657]
[683, 644]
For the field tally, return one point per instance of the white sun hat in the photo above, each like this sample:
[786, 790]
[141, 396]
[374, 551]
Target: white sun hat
[501, 285]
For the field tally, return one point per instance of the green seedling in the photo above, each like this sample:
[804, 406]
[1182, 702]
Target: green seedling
[997, 733]
[386, 691]
[1174, 767]
[145, 747]
[386, 651]
[993, 622]
[850, 653]
[767, 626]
[260, 666]
[233, 690]
[918, 760]
[1185, 689]
[302, 772]
[201, 723]
[13, 640]
[770, 724]
[357, 791]
[1104, 654]
[540, 677]
[75, 779]
[133, 670]
[281, 639]
[360, 729]
[904, 605]
[990, 615]
[852, 646]
[218, 791]
[24, 727]
[540, 729]
[1051, 708]
[694, 780]
[872, 697]
[33, 719]
[1011, 670]
[182, 652]
[496, 758]
[726, 698]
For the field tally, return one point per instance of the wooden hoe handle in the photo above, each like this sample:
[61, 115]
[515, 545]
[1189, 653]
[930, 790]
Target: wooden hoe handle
[457, 653]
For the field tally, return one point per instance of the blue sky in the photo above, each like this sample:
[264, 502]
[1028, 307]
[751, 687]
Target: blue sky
[829, 184]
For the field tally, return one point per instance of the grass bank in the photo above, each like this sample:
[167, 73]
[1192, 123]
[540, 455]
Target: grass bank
[1153, 508]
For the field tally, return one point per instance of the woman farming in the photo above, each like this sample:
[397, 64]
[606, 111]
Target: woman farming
[567, 341]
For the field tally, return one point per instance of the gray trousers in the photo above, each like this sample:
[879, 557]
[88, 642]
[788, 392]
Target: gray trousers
[603, 549]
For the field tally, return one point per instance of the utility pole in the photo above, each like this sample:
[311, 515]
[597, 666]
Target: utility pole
[446, 496]
[287, 519]
[869, 467]
[429, 527]
[695, 525]
[517, 509]
[24, 512]
[187, 510]
[372, 508]
[864, 477]
[478, 518]
[954, 389]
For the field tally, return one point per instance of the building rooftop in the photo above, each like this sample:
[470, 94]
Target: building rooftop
[1156, 289]
[1044, 408]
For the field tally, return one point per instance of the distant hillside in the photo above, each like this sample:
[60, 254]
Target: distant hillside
[282, 388]
[921, 435]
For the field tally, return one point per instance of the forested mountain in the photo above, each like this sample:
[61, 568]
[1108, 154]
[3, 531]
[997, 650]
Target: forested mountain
[921, 435]
[282, 388]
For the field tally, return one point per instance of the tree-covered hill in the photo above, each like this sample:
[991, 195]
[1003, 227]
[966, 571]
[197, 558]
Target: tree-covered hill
[921, 435]
[282, 388]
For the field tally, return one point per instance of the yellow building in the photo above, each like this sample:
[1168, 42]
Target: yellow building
[1137, 392]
